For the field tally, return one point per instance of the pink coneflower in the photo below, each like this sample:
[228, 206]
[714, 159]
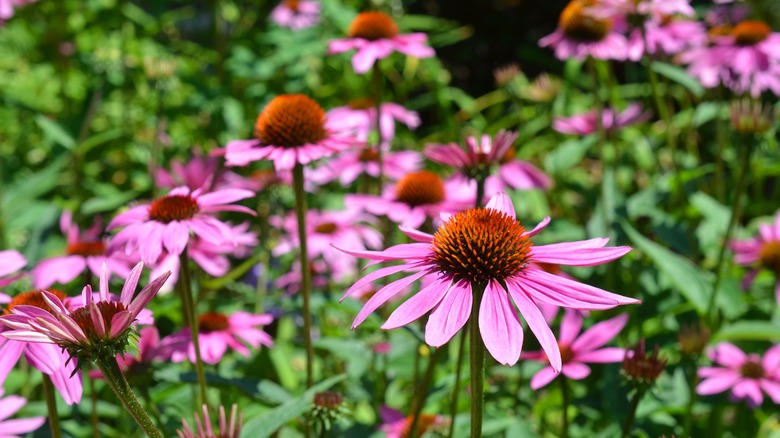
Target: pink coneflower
[18, 426]
[85, 250]
[321, 275]
[199, 173]
[46, 358]
[485, 153]
[360, 116]
[576, 351]
[580, 34]
[487, 246]
[375, 36]
[203, 428]
[745, 375]
[761, 252]
[98, 328]
[167, 222]
[668, 37]
[217, 333]
[349, 165]
[414, 198]
[611, 120]
[296, 14]
[7, 8]
[396, 425]
[347, 228]
[149, 349]
[291, 129]
[746, 60]
[652, 9]
[11, 262]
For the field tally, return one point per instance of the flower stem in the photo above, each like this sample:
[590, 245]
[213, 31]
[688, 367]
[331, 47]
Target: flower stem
[456, 391]
[422, 391]
[51, 407]
[565, 394]
[736, 209]
[632, 412]
[300, 213]
[192, 320]
[480, 191]
[376, 79]
[477, 356]
[110, 369]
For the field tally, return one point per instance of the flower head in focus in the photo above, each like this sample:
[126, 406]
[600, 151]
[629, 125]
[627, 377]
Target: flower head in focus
[486, 248]
[746, 375]
[375, 35]
[228, 428]
[296, 14]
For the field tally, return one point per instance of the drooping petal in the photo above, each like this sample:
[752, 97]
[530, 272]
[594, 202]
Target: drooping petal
[499, 325]
[419, 304]
[384, 294]
[450, 315]
[128, 289]
[538, 325]
[543, 377]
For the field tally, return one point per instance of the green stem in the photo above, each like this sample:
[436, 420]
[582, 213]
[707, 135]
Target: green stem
[456, 391]
[480, 191]
[192, 320]
[376, 79]
[565, 393]
[477, 357]
[300, 212]
[736, 208]
[422, 391]
[110, 369]
[632, 413]
[51, 407]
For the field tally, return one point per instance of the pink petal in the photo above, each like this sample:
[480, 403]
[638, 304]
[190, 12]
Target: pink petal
[570, 255]
[499, 325]
[727, 354]
[600, 334]
[450, 315]
[502, 203]
[717, 384]
[543, 377]
[538, 325]
[419, 304]
[128, 289]
[576, 371]
[570, 326]
[604, 355]
[384, 294]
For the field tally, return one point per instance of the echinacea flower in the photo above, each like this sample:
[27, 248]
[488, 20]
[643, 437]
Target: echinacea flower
[396, 425]
[360, 116]
[651, 9]
[746, 60]
[85, 250]
[746, 375]
[11, 262]
[348, 228]
[611, 120]
[349, 165]
[668, 37]
[486, 247]
[414, 198]
[100, 328]
[218, 332]
[149, 349]
[483, 155]
[14, 428]
[292, 129]
[46, 358]
[166, 223]
[203, 429]
[375, 35]
[199, 172]
[761, 252]
[296, 14]
[579, 349]
[581, 34]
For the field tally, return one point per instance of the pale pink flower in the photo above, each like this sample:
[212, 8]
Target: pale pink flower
[482, 155]
[46, 358]
[7, 8]
[653, 9]
[296, 14]
[396, 425]
[166, 223]
[375, 36]
[747, 60]
[611, 120]
[228, 428]
[746, 375]
[668, 37]
[360, 117]
[414, 198]
[576, 350]
[101, 325]
[760, 252]
[85, 250]
[17, 427]
[11, 263]
[292, 129]
[217, 333]
[349, 165]
[488, 246]
[581, 34]
[199, 173]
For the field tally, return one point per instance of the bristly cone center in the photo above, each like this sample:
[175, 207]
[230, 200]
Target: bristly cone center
[33, 298]
[212, 322]
[173, 208]
[750, 32]
[87, 249]
[752, 370]
[373, 26]
[481, 244]
[420, 188]
[291, 120]
[770, 256]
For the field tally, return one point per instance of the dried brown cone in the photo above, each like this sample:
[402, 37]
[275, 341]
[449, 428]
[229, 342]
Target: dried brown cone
[640, 369]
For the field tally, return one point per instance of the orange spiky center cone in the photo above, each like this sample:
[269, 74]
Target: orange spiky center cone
[32, 298]
[579, 25]
[173, 208]
[750, 32]
[373, 26]
[420, 188]
[291, 120]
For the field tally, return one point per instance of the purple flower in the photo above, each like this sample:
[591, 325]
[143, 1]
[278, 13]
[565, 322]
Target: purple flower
[576, 350]
[296, 14]
[581, 34]
[11, 262]
[8, 406]
[761, 252]
[611, 120]
[486, 246]
[745, 375]
[375, 36]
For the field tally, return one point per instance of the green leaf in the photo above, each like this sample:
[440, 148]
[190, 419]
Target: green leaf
[749, 331]
[271, 421]
[679, 75]
[100, 138]
[54, 131]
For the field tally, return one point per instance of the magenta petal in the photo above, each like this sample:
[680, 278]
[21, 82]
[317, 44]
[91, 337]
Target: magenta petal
[10, 352]
[499, 325]
[571, 324]
[543, 377]
[70, 388]
[417, 235]
[97, 320]
[46, 358]
[772, 388]
[385, 294]
[419, 304]
[599, 334]
[128, 289]
[12, 428]
[450, 315]
[727, 354]
[563, 254]
[146, 295]
[539, 227]
[717, 384]
[372, 276]
[604, 355]
[576, 371]
[538, 325]
[574, 290]
[120, 322]
[502, 202]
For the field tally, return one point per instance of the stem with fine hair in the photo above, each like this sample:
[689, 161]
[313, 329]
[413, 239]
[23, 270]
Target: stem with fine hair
[110, 369]
[300, 214]
[51, 407]
[632, 412]
[376, 79]
[192, 320]
[422, 391]
[736, 208]
[477, 358]
[456, 390]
